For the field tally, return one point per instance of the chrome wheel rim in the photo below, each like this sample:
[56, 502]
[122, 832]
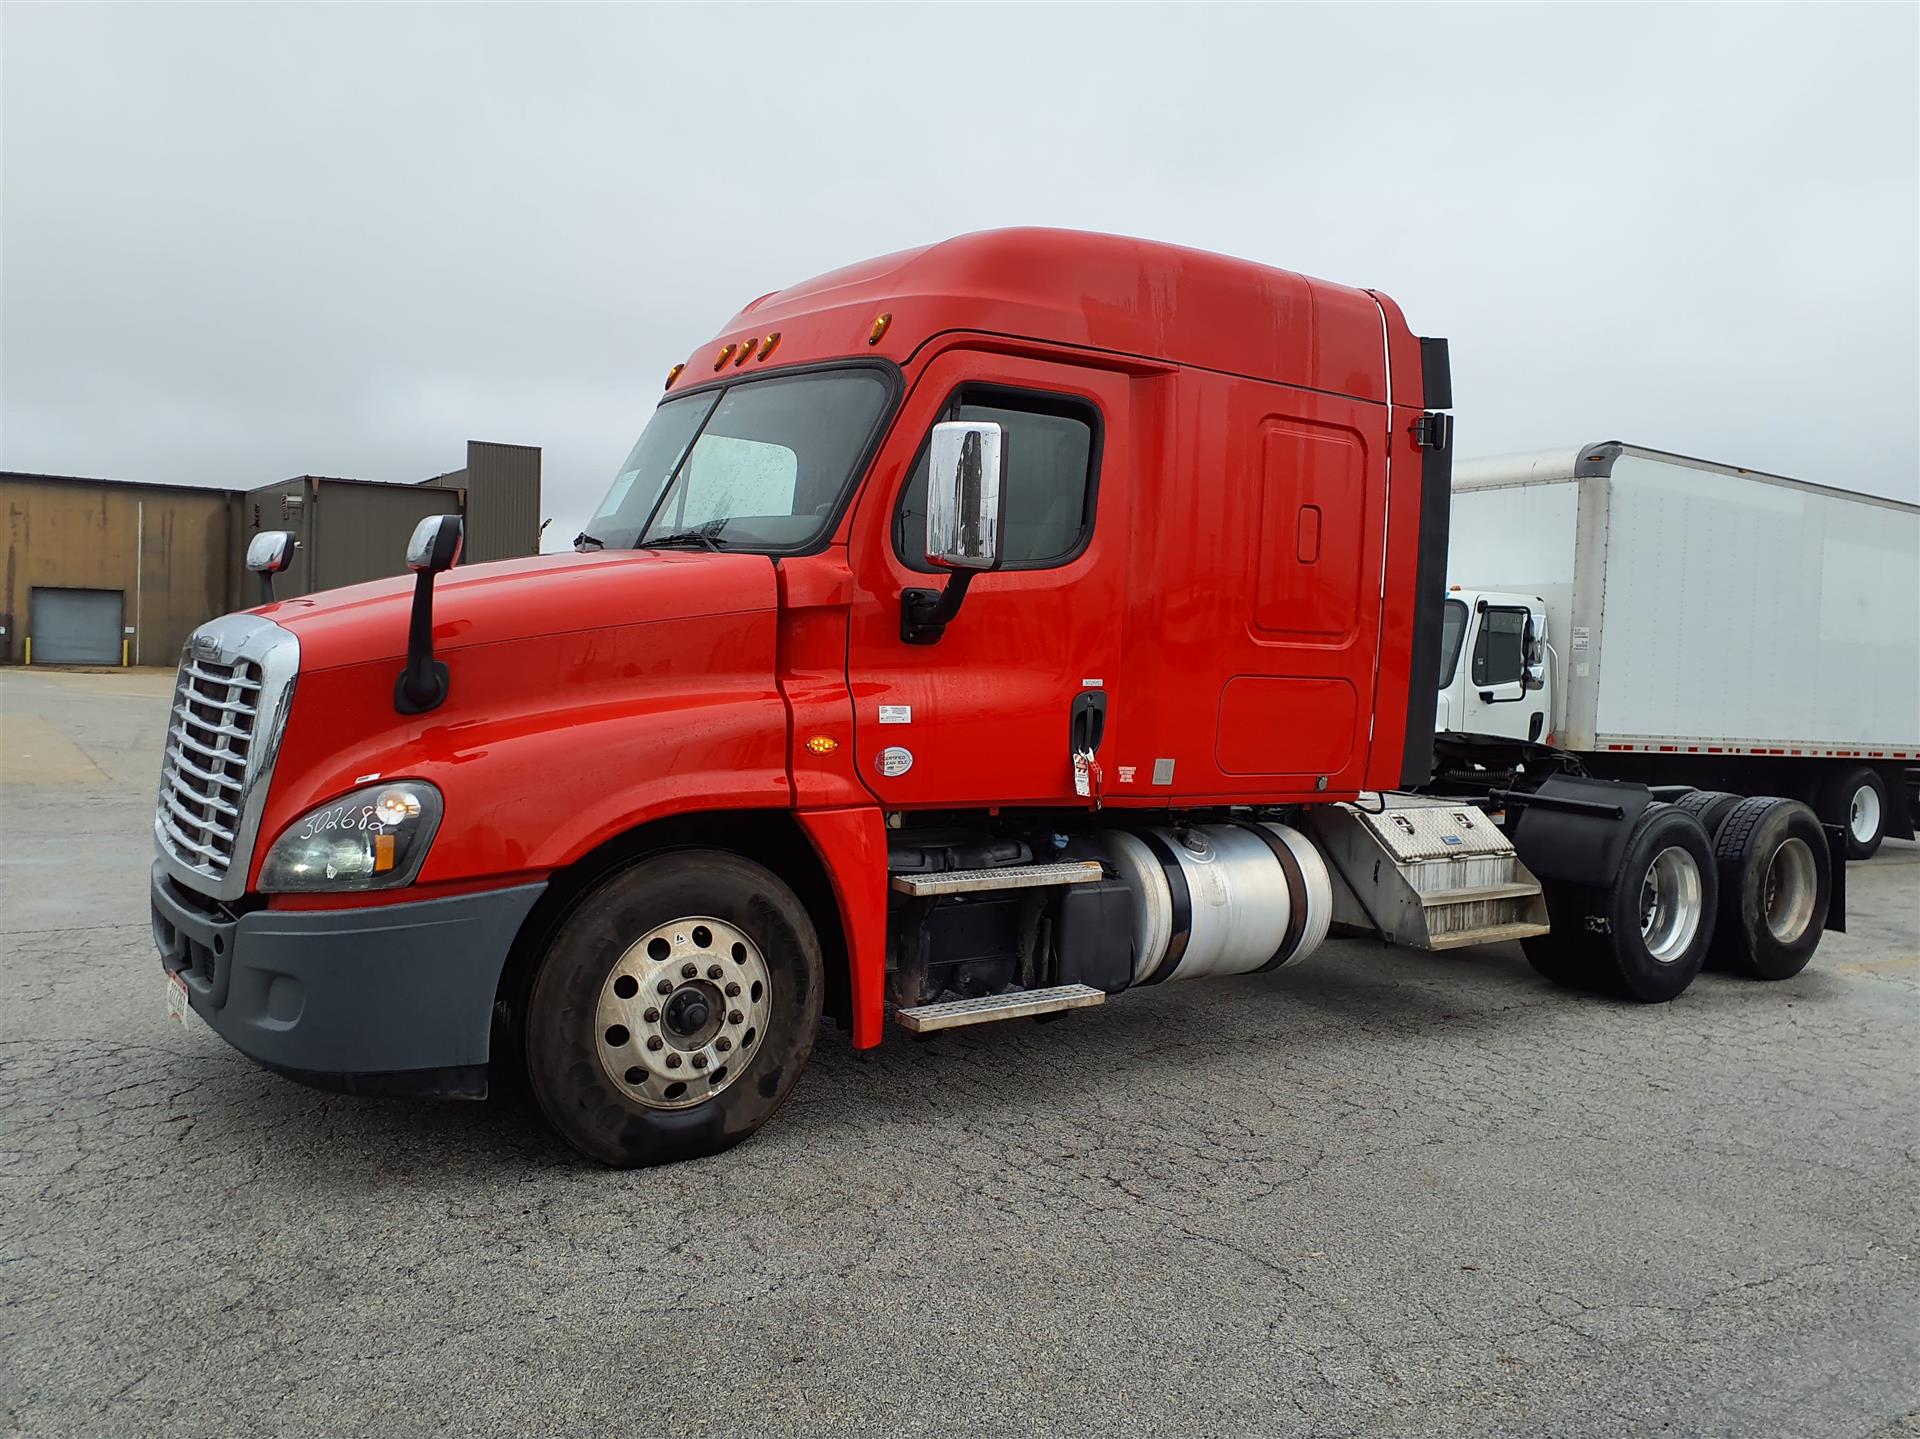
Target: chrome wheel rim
[1670, 904]
[682, 1012]
[1792, 884]
[1863, 815]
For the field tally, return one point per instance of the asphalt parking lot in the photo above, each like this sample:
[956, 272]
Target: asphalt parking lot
[1380, 1194]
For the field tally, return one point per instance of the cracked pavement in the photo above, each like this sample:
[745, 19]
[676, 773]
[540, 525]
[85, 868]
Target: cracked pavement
[1381, 1193]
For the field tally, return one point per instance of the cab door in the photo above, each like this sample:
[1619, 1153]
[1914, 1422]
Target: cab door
[1497, 701]
[986, 714]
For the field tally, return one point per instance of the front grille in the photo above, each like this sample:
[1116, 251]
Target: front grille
[203, 777]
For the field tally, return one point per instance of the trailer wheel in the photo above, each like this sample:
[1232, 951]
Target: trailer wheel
[674, 1009]
[1710, 806]
[1857, 798]
[1776, 881]
[1656, 918]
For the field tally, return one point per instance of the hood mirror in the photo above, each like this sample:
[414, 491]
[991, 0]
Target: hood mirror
[435, 546]
[268, 553]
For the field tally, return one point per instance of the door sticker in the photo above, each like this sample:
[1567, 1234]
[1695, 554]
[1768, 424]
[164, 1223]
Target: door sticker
[893, 761]
[896, 714]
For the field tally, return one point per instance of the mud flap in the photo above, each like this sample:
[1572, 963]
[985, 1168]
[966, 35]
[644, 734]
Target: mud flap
[1837, 861]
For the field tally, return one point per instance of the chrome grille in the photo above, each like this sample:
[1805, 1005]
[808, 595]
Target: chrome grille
[229, 705]
[204, 776]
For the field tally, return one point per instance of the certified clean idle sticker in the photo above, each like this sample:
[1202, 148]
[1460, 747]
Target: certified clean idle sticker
[893, 761]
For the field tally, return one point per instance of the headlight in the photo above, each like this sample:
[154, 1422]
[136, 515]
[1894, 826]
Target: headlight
[374, 838]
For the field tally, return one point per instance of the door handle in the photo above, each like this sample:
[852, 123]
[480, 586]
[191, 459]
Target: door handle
[1087, 721]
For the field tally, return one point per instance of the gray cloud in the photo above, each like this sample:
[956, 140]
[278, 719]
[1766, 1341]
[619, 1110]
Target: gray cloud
[243, 242]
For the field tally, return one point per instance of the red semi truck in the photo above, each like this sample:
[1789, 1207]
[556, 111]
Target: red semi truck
[973, 633]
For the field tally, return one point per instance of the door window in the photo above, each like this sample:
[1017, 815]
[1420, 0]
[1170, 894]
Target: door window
[1497, 656]
[1453, 628]
[1052, 450]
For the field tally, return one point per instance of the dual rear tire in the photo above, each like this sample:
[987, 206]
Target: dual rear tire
[1744, 883]
[1645, 935]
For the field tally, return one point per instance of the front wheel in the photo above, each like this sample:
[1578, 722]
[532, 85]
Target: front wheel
[674, 1009]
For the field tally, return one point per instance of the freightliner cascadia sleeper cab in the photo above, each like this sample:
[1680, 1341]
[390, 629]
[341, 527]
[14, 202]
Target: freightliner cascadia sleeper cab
[972, 633]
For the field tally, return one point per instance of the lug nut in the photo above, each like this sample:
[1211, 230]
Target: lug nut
[714, 971]
[699, 1061]
[723, 1044]
[732, 990]
[655, 1041]
[653, 1016]
[673, 1061]
[689, 970]
[665, 986]
[734, 1016]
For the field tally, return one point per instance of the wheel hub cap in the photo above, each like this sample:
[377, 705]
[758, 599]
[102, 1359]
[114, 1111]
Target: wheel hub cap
[1792, 885]
[1670, 905]
[1863, 815]
[682, 1012]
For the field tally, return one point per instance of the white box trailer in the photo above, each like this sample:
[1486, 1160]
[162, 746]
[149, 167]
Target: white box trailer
[1704, 625]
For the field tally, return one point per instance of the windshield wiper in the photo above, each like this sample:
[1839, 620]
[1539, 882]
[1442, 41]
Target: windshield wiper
[706, 536]
[583, 539]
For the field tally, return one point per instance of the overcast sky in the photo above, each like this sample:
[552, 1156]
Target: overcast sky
[239, 243]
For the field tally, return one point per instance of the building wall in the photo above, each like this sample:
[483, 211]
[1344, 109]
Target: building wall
[503, 501]
[361, 531]
[163, 549]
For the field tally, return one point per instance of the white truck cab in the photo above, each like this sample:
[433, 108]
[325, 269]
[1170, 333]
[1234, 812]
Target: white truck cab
[1494, 674]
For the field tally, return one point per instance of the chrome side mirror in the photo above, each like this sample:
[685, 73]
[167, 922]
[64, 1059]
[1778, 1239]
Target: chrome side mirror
[1533, 673]
[966, 494]
[268, 553]
[436, 544]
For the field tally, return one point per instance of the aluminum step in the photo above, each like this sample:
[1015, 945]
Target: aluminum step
[955, 1013]
[1487, 934]
[1517, 890]
[1013, 876]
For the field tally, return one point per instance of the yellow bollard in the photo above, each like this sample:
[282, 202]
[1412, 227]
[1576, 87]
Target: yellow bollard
[123, 653]
[29, 649]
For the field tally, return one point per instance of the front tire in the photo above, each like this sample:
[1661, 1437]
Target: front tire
[674, 1009]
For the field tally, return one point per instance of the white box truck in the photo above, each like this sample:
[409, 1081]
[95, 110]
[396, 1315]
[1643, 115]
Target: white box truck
[1679, 622]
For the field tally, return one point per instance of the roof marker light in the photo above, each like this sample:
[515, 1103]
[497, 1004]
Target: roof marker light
[726, 353]
[673, 375]
[767, 345]
[879, 328]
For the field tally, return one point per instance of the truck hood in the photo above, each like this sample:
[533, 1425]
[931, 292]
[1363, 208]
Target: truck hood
[522, 599]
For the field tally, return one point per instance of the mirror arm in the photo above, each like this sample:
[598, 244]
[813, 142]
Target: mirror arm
[266, 587]
[925, 614]
[423, 683]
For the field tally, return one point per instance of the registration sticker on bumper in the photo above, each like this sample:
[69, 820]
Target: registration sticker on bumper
[176, 998]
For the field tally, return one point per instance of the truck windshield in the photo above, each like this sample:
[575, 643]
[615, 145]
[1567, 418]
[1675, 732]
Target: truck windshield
[760, 465]
[1453, 626]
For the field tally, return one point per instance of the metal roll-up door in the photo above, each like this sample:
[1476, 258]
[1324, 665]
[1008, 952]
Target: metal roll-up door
[76, 627]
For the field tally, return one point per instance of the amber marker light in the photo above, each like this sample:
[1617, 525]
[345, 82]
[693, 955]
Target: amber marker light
[673, 375]
[823, 744]
[746, 351]
[768, 345]
[879, 328]
[726, 353]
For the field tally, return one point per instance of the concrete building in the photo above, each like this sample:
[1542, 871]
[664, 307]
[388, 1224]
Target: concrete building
[108, 572]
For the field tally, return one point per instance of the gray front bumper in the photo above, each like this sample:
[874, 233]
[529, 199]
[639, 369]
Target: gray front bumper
[392, 998]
